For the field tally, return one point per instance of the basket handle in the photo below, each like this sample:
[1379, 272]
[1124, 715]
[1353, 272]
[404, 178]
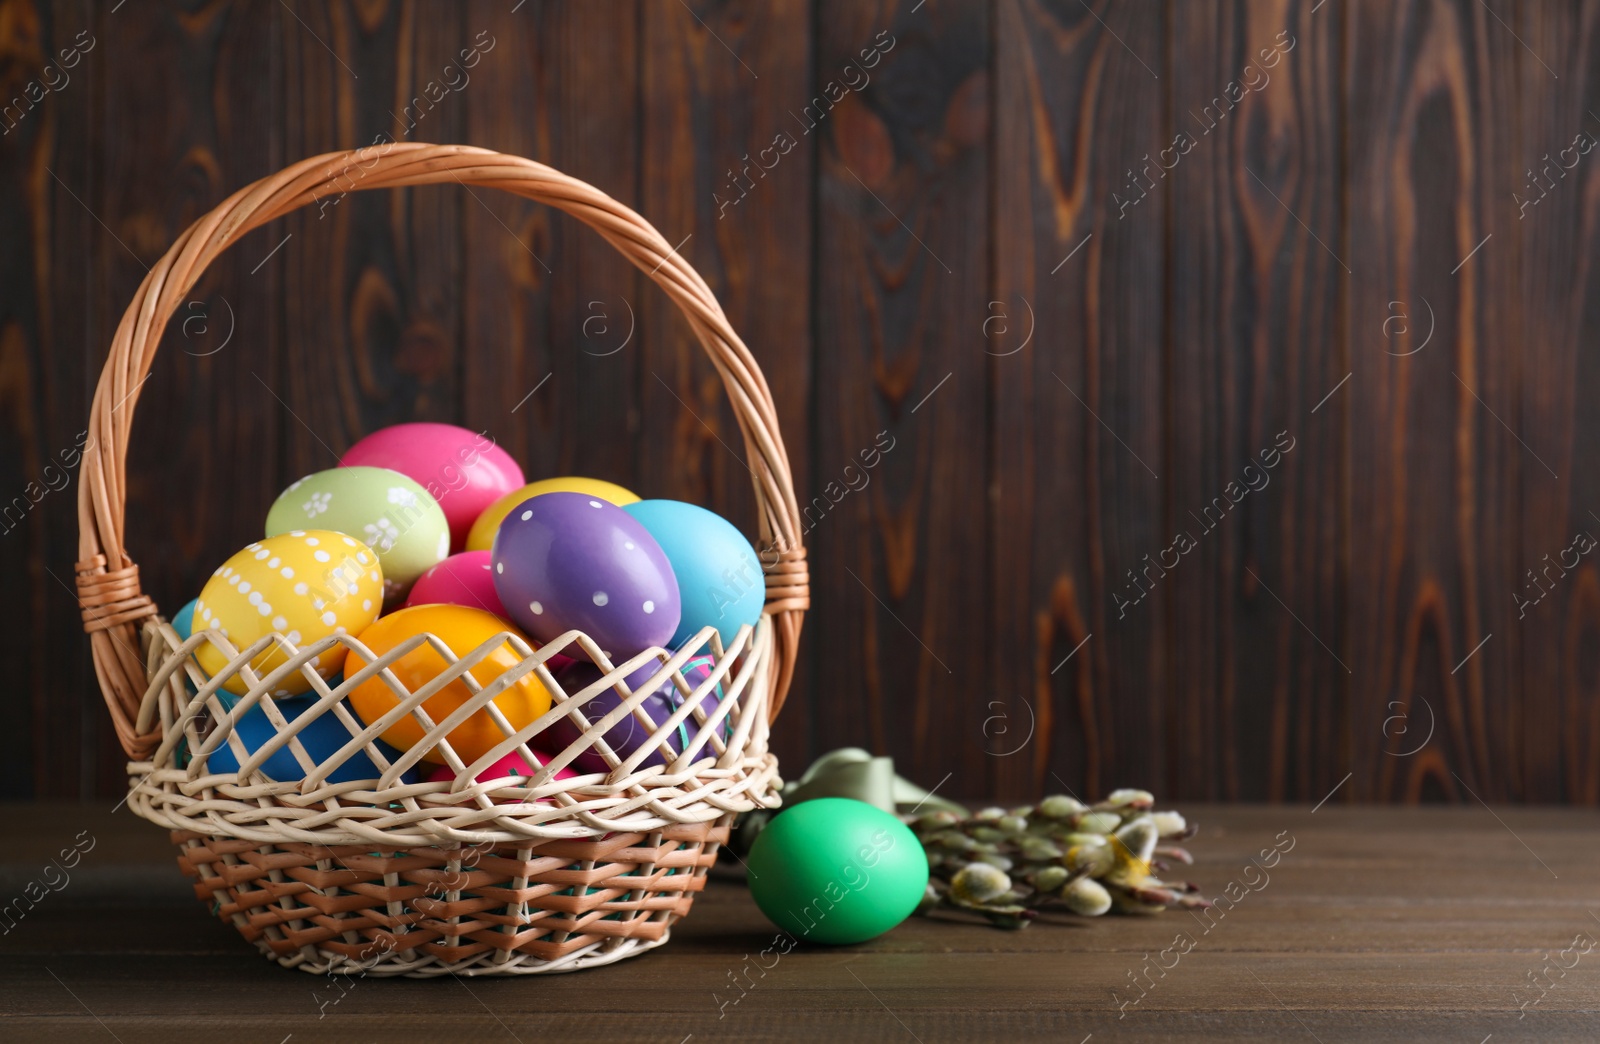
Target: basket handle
[107, 578]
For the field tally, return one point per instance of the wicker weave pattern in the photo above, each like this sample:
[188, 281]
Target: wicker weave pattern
[472, 910]
[724, 769]
[387, 877]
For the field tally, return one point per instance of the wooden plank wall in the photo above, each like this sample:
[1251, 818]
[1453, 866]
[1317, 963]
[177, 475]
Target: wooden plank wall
[1191, 396]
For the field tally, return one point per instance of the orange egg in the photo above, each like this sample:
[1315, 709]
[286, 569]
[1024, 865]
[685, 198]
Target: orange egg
[463, 629]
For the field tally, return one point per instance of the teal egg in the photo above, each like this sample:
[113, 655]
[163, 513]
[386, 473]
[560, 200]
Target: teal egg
[837, 871]
[720, 582]
[183, 623]
[183, 619]
[387, 511]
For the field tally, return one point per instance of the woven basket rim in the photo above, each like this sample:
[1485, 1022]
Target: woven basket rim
[722, 768]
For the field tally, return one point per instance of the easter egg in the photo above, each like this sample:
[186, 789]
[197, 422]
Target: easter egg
[511, 765]
[629, 734]
[321, 736]
[463, 630]
[462, 579]
[229, 699]
[565, 561]
[304, 585]
[384, 509]
[838, 871]
[183, 619]
[720, 582]
[481, 538]
[183, 623]
[463, 470]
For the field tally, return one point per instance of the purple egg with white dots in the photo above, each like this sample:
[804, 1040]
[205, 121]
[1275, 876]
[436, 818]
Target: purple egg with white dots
[628, 735]
[570, 561]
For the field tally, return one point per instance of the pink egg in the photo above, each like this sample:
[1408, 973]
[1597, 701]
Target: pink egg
[461, 579]
[461, 469]
[464, 579]
[510, 765]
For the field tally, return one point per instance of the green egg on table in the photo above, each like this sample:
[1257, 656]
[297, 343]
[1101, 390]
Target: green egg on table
[837, 871]
[386, 510]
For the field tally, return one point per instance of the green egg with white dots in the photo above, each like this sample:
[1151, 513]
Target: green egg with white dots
[389, 512]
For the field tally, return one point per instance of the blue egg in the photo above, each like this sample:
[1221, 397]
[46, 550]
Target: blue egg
[183, 620]
[720, 582]
[321, 738]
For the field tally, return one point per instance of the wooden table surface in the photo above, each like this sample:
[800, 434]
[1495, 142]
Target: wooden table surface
[1377, 925]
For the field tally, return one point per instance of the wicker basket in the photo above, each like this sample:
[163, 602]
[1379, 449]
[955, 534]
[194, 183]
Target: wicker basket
[423, 879]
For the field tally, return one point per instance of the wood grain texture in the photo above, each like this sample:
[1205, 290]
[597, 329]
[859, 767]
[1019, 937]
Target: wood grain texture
[47, 319]
[966, 244]
[1552, 210]
[217, 85]
[1373, 924]
[897, 523]
[1079, 441]
[549, 305]
[1259, 683]
[371, 333]
[1435, 504]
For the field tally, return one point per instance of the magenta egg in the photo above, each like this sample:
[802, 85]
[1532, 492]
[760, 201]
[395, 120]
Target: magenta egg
[462, 579]
[570, 561]
[465, 579]
[463, 470]
[629, 734]
[510, 765]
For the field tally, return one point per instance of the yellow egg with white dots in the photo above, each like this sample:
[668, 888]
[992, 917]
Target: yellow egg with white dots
[304, 585]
